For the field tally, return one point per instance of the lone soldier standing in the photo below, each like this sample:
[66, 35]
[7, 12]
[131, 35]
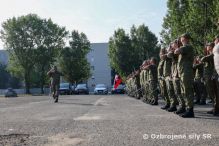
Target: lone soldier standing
[184, 66]
[55, 75]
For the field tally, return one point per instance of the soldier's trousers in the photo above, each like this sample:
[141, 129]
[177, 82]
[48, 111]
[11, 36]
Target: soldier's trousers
[177, 91]
[209, 84]
[199, 90]
[216, 94]
[153, 90]
[55, 90]
[186, 83]
[170, 91]
[163, 91]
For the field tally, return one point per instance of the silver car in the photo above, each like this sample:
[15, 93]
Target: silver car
[100, 89]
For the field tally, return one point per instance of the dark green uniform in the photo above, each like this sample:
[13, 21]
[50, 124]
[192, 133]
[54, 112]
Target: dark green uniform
[153, 81]
[168, 79]
[55, 82]
[162, 83]
[176, 81]
[185, 70]
[208, 72]
[199, 87]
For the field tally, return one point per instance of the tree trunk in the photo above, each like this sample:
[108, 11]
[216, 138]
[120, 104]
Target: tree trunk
[42, 80]
[27, 82]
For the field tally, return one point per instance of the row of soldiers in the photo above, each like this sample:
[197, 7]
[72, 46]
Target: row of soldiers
[179, 77]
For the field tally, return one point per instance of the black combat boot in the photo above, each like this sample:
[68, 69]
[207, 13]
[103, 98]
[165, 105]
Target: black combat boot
[181, 110]
[165, 107]
[172, 109]
[56, 99]
[188, 114]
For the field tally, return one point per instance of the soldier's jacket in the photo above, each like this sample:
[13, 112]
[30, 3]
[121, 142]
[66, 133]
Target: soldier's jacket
[185, 61]
[167, 67]
[174, 71]
[152, 73]
[55, 77]
[208, 64]
[199, 70]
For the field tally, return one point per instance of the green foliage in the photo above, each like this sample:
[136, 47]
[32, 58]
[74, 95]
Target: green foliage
[197, 17]
[6, 79]
[33, 44]
[128, 52]
[72, 60]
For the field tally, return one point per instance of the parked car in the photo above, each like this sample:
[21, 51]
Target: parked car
[100, 89]
[119, 90]
[10, 93]
[81, 89]
[65, 89]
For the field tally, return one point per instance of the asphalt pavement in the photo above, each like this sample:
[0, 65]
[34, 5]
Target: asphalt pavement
[101, 120]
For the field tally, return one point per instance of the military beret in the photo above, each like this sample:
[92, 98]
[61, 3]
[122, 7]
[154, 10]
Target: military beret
[186, 35]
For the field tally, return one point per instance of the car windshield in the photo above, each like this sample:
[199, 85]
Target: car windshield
[101, 86]
[64, 85]
[81, 85]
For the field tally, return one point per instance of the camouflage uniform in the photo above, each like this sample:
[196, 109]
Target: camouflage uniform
[208, 72]
[168, 79]
[176, 81]
[162, 83]
[184, 67]
[153, 81]
[55, 82]
[199, 87]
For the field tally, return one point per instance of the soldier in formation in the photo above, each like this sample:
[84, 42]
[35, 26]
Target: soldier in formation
[182, 78]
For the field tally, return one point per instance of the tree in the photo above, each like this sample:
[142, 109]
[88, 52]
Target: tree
[4, 76]
[127, 53]
[72, 59]
[32, 43]
[49, 40]
[197, 17]
[18, 36]
[121, 53]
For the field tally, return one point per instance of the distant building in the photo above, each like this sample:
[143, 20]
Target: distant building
[98, 59]
[100, 67]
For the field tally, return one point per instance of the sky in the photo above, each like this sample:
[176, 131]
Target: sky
[98, 19]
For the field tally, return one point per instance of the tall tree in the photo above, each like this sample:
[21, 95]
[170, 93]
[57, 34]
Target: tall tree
[18, 35]
[32, 43]
[72, 60]
[49, 40]
[121, 53]
[128, 52]
[197, 17]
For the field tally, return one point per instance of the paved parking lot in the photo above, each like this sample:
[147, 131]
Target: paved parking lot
[104, 120]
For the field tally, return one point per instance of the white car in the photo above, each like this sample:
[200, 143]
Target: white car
[101, 89]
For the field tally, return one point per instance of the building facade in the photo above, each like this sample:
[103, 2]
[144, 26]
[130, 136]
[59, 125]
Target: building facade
[100, 66]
